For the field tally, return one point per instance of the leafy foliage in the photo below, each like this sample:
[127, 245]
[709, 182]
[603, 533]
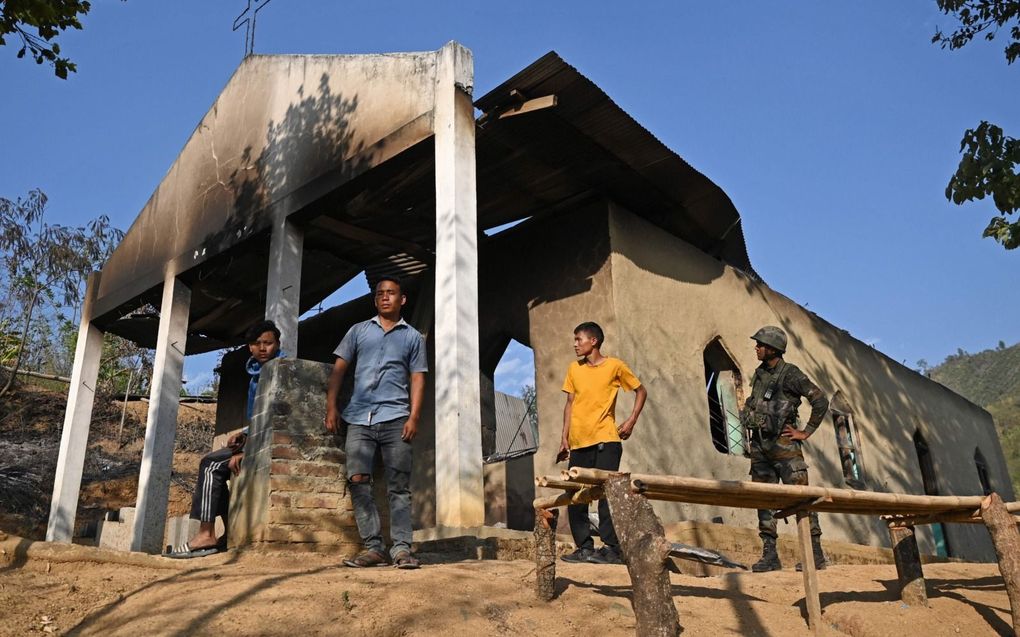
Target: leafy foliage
[980, 17]
[48, 18]
[988, 167]
[991, 379]
[45, 265]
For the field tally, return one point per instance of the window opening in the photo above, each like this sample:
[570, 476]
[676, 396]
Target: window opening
[724, 393]
[930, 483]
[847, 442]
[982, 470]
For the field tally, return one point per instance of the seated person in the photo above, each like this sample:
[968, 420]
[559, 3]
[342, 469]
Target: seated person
[212, 497]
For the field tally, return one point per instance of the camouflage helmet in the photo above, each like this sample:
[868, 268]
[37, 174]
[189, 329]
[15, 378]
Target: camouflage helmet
[772, 336]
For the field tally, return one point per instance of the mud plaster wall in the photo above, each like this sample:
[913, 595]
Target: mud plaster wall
[671, 300]
[661, 301]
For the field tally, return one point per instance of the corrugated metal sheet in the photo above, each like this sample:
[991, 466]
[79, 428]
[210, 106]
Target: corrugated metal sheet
[699, 211]
[402, 266]
[515, 433]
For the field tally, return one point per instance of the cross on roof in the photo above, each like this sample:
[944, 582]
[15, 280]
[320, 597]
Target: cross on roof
[249, 35]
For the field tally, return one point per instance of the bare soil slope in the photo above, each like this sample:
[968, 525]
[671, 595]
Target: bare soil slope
[30, 424]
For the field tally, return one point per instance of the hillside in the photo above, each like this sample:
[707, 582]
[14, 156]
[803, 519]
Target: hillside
[30, 424]
[991, 379]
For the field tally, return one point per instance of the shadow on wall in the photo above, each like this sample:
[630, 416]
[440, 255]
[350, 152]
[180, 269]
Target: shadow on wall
[312, 139]
[889, 402]
[305, 154]
[540, 261]
[892, 403]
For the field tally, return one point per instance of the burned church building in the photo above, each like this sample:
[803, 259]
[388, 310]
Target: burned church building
[311, 170]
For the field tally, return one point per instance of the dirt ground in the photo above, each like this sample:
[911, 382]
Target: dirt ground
[77, 590]
[81, 590]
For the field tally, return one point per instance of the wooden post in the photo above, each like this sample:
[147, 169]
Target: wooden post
[1006, 539]
[646, 551]
[807, 560]
[908, 566]
[545, 554]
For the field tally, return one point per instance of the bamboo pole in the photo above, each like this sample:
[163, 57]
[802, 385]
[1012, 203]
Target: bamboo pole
[587, 476]
[584, 496]
[842, 500]
[31, 374]
[961, 517]
[553, 483]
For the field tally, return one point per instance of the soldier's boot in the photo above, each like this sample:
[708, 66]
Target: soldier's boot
[769, 557]
[816, 553]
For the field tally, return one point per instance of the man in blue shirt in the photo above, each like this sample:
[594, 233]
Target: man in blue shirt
[382, 415]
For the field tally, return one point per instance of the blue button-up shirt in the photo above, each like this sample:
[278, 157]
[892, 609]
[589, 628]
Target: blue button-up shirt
[384, 362]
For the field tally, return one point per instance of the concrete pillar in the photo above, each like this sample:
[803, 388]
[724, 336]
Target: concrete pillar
[161, 425]
[283, 285]
[459, 487]
[77, 419]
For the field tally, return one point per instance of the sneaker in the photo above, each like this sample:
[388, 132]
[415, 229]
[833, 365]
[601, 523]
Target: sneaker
[579, 556]
[606, 555]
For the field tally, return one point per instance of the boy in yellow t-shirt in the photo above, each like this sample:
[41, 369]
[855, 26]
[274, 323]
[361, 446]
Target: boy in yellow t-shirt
[591, 437]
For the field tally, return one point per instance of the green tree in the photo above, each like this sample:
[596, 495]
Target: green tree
[48, 19]
[45, 263]
[988, 167]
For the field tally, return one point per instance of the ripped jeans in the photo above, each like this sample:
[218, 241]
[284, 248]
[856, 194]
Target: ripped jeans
[362, 443]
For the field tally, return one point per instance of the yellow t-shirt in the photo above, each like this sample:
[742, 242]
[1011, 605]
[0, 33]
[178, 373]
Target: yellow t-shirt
[593, 414]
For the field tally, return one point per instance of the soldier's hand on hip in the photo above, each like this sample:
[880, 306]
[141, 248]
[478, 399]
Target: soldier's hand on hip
[794, 434]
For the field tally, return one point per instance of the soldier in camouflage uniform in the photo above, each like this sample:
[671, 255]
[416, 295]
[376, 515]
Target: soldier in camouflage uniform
[770, 417]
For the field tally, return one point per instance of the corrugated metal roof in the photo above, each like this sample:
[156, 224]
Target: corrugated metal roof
[515, 433]
[698, 210]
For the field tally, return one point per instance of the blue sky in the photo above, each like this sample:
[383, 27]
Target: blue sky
[834, 128]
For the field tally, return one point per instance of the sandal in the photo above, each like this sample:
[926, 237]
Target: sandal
[404, 560]
[185, 552]
[367, 559]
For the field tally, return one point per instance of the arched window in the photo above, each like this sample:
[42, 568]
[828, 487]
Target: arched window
[982, 470]
[931, 487]
[725, 398]
[847, 441]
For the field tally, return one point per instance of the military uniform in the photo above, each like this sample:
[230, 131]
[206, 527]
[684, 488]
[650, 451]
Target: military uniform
[775, 396]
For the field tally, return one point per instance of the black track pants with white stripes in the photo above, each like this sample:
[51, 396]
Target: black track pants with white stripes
[212, 497]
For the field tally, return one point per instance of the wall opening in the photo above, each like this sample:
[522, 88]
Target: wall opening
[930, 481]
[847, 442]
[516, 415]
[724, 392]
[509, 436]
[982, 471]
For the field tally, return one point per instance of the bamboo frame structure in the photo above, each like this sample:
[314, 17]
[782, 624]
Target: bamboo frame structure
[900, 511]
